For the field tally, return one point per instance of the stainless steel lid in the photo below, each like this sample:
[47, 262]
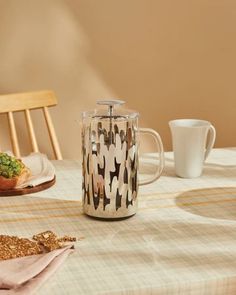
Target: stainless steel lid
[111, 109]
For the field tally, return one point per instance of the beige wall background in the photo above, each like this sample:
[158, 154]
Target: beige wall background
[168, 59]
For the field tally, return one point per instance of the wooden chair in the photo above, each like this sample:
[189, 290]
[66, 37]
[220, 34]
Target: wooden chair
[10, 103]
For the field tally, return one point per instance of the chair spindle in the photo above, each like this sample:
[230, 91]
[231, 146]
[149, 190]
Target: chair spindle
[30, 127]
[14, 139]
[52, 134]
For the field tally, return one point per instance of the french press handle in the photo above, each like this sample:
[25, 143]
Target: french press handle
[159, 144]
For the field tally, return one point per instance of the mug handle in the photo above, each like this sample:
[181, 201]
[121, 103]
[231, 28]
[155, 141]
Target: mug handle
[211, 141]
[159, 144]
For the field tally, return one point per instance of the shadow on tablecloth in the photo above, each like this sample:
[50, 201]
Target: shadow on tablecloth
[217, 202]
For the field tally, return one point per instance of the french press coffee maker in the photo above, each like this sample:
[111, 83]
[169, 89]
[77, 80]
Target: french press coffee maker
[110, 145]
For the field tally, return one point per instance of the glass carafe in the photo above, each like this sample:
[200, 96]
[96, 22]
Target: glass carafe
[110, 145]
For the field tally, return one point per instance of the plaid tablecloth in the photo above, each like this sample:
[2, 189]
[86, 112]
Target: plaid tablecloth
[181, 241]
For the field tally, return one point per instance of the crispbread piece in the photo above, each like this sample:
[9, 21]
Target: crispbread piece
[48, 239]
[13, 247]
[67, 239]
[45, 236]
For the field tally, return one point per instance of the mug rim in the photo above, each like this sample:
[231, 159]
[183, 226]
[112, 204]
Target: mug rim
[194, 123]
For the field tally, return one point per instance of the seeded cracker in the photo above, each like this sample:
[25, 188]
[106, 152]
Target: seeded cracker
[13, 247]
[67, 239]
[49, 240]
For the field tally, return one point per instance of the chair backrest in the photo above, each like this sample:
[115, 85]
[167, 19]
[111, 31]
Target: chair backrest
[10, 103]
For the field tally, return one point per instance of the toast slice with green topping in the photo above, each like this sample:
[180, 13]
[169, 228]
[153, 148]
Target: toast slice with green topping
[13, 172]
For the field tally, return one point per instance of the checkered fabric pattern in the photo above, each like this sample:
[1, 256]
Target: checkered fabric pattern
[181, 241]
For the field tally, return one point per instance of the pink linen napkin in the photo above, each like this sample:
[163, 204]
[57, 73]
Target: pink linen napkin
[41, 168]
[25, 275]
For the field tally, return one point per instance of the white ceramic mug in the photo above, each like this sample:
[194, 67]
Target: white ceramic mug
[191, 145]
